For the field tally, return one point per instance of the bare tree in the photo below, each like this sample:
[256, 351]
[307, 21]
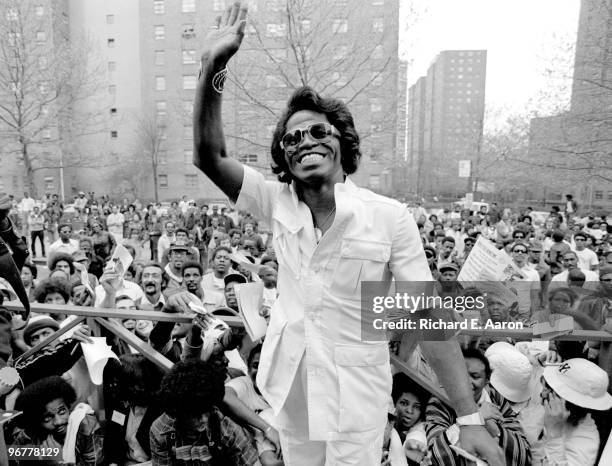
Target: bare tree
[45, 80]
[338, 51]
[149, 145]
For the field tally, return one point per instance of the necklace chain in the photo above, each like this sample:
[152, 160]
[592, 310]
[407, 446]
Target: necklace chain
[324, 223]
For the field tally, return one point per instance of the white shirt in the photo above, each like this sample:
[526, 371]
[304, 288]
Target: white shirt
[127, 288]
[163, 244]
[318, 310]
[524, 287]
[576, 447]
[27, 204]
[560, 280]
[68, 248]
[587, 259]
[214, 291]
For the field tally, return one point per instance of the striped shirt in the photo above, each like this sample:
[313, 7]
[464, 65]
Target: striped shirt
[512, 439]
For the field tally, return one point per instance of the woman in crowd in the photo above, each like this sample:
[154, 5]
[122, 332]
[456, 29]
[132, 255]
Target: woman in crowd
[50, 420]
[570, 393]
[29, 273]
[103, 241]
[54, 290]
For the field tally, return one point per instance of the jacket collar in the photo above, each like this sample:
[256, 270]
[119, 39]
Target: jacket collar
[290, 211]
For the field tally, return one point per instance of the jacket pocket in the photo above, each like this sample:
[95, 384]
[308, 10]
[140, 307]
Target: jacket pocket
[360, 260]
[364, 380]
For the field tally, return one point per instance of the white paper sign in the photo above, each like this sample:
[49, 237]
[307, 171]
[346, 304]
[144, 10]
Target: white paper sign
[250, 299]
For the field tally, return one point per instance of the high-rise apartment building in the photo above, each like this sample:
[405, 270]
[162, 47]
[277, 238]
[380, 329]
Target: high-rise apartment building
[148, 52]
[577, 143]
[445, 121]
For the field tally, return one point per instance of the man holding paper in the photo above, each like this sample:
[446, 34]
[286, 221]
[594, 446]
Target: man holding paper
[329, 235]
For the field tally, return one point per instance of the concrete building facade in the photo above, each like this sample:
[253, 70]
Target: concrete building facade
[445, 122]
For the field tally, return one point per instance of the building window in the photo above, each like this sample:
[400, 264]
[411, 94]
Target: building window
[40, 11]
[162, 181]
[41, 36]
[46, 134]
[110, 43]
[112, 89]
[188, 108]
[159, 32]
[191, 181]
[114, 134]
[43, 62]
[160, 107]
[374, 181]
[218, 5]
[276, 30]
[341, 3]
[48, 183]
[598, 195]
[610, 195]
[248, 158]
[110, 19]
[189, 82]
[188, 6]
[189, 31]
[377, 78]
[187, 132]
[162, 157]
[375, 105]
[12, 15]
[160, 57]
[339, 26]
[43, 87]
[112, 66]
[113, 111]
[378, 25]
[187, 156]
[159, 7]
[189, 57]
[305, 26]
[160, 83]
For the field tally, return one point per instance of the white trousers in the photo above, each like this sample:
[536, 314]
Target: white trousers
[355, 449]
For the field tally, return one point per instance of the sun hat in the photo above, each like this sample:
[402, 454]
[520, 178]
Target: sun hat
[497, 347]
[511, 374]
[580, 382]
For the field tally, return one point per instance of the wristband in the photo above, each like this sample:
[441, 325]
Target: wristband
[474, 419]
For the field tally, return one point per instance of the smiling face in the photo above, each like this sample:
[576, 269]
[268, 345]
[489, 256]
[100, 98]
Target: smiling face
[313, 160]
[55, 418]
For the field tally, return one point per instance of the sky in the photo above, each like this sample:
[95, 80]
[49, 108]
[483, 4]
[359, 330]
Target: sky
[521, 37]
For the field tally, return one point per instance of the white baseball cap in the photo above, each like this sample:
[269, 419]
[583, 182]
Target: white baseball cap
[580, 382]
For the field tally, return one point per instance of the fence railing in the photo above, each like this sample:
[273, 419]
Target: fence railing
[98, 318]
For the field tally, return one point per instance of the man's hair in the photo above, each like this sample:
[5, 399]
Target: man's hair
[192, 265]
[34, 398]
[52, 285]
[217, 249]
[339, 116]
[475, 353]
[192, 387]
[558, 236]
[573, 253]
[581, 234]
[123, 297]
[571, 294]
[449, 239]
[233, 231]
[179, 230]
[569, 197]
[63, 225]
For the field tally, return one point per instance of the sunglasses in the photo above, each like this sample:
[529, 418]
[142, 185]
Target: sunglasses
[519, 236]
[320, 132]
[520, 251]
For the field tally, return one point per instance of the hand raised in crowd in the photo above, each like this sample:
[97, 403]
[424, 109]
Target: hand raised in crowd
[549, 357]
[82, 296]
[478, 441]
[179, 302]
[82, 334]
[110, 281]
[225, 37]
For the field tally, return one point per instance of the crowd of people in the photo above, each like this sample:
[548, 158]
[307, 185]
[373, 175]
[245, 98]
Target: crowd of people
[545, 405]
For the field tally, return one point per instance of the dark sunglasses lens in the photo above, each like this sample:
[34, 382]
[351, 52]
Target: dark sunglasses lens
[318, 131]
[292, 139]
